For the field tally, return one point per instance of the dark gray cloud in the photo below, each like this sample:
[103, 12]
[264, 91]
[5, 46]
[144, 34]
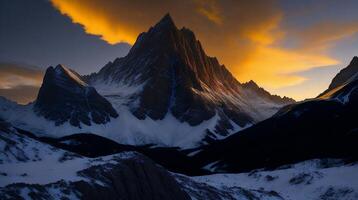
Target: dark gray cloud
[34, 32]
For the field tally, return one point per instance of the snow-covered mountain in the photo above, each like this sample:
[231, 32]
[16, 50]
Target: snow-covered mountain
[168, 77]
[166, 92]
[65, 97]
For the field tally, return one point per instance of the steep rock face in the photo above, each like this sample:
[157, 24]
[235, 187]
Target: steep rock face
[345, 75]
[177, 77]
[344, 78]
[64, 96]
[318, 128]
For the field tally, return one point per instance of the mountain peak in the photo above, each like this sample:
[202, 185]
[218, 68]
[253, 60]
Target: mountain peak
[167, 20]
[251, 83]
[60, 67]
[60, 71]
[346, 75]
[64, 96]
[354, 61]
[176, 76]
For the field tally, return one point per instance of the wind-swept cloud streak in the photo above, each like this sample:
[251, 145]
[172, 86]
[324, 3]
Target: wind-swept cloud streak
[248, 37]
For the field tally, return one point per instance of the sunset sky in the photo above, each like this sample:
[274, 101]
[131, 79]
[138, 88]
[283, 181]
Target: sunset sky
[289, 47]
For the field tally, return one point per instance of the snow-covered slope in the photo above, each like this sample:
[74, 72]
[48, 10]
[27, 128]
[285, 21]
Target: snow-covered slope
[30, 169]
[310, 180]
[125, 129]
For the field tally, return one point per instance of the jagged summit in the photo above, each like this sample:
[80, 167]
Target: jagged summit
[176, 77]
[166, 21]
[65, 96]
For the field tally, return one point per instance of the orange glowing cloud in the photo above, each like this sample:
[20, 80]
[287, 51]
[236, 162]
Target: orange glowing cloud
[245, 36]
[273, 66]
[97, 23]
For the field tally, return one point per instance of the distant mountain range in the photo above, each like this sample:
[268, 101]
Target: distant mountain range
[165, 92]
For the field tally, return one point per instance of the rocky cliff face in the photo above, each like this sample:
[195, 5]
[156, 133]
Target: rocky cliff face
[64, 96]
[346, 75]
[343, 85]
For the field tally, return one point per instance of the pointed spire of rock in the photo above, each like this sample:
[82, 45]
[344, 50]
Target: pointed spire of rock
[167, 20]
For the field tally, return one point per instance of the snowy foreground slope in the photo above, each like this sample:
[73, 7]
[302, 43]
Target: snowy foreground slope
[30, 169]
[325, 179]
[33, 170]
